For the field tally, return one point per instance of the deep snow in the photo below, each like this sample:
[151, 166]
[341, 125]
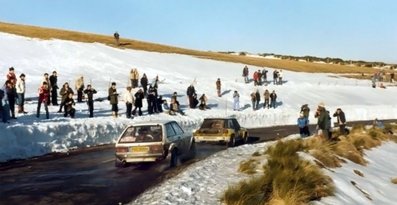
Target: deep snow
[99, 64]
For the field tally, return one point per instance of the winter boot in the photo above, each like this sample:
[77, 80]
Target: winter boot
[20, 109]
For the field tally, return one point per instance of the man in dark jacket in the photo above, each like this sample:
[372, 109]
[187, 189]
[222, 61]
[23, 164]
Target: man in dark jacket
[341, 120]
[190, 92]
[323, 120]
[273, 98]
[144, 83]
[113, 98]
[54, 88]
[138, 102]
[11, 96]
[89, 91]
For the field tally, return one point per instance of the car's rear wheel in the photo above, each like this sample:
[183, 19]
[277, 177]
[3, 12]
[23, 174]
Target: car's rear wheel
[174, 158]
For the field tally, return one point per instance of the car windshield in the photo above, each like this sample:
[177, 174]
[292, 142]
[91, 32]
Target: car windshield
[213, 123]
[149, 133]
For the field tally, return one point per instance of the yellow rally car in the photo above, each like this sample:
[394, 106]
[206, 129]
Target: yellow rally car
[226, 130]
[154, 141]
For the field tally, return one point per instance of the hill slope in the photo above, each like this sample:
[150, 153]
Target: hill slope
[48, 33]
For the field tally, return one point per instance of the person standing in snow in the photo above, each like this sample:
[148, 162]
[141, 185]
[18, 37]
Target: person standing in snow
[64, 92]
[236, 101]
[266, 95]
[11, 96]
[54, 88]
[253, 100]
[341, 120]
[134, 77]
[113, 98]
[43, 98]
[257, 98]
[144, 84]
[138, 102]
[90, 91]
[11, 76]
[273, 98]
[275, 77]
[322, 120]
[4, 106]
[151, 100]
[79, 85]
[46, 79]
[128, 98]
[264, 76]
[190, 92]
[218, 87]
[303, 124]
[245, 74]
[280, 77]
[20, 88]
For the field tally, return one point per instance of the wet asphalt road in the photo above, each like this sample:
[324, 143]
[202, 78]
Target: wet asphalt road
[88, 176]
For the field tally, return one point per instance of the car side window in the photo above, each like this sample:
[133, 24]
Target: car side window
[170, 130]
[236, 125]
[177, 129]
[230, 124]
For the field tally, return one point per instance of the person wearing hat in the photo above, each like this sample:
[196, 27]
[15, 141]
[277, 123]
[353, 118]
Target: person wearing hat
[129, 101]
[322, 120]
[341, 120]
[89, 91]
[20, 88]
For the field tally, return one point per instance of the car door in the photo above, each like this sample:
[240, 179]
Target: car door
[236, 127]
[183, 140]
[172, 136]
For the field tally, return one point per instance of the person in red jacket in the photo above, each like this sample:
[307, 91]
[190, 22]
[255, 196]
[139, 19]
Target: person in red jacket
[43, 99]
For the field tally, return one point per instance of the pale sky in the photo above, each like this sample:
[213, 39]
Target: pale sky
[348, 29]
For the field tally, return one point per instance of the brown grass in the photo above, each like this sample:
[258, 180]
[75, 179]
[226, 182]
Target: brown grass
[394, 180]
[322, 150]
[48, 33]
[248, 166]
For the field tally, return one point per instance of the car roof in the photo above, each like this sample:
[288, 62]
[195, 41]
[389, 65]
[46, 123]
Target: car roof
[152, 122]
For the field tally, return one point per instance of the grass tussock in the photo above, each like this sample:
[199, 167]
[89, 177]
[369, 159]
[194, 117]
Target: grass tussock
[287, 179]
[358, 173]
[394, 180]
[248, 166]
[322, 150]
[47, 33]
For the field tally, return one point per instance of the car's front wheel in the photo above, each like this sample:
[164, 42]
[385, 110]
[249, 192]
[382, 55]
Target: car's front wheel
[232, 141]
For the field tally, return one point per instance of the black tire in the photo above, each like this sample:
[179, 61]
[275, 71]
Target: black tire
[245, 138]
[232, 141]
[192, 150]
[119, 164]
[174, 158]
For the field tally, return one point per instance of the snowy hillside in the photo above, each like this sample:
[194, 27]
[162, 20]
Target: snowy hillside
[99, 64]
[29, 136]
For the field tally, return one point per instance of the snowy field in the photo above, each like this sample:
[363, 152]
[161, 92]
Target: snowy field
[99, 64]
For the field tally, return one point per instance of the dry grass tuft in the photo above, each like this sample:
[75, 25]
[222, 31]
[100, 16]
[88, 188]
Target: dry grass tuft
[256, 154]
[345, 148]
[287, 179]
[322, 150]
[394, 180]
[47, 33]
[248, 166]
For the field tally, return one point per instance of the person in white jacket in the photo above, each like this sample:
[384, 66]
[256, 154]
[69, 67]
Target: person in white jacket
[129, 100]
[20, 88]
